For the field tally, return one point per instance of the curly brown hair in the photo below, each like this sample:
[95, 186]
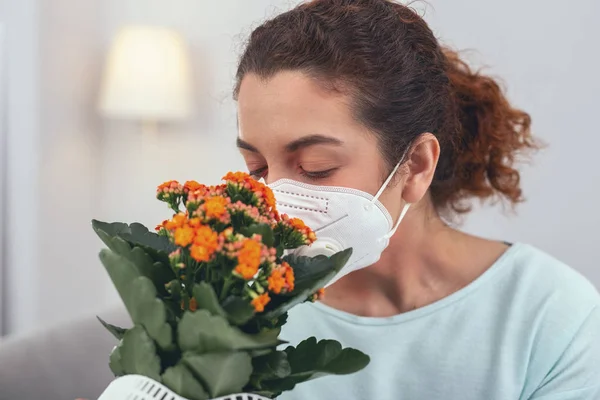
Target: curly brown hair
[403, 84]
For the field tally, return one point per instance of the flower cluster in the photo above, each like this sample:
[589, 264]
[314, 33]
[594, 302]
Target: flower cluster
[262, 195]
[213, 288]
[231, 236]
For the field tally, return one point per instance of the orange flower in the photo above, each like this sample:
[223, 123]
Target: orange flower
[276, 281]
[184, 236]
[200, 253]
[297, 223]
[161, 225]
[237, 177]
[195, 196]
[215, 207]
[246, 271]
[167, 186]
[320, 294]
[177, 222]
[194, 223]
[269, 197]
[281, 279]
[250, 253]
[191, 186]
[193, 304]
[205, 244]
[260, 302]
[289, 277]
[249, 258]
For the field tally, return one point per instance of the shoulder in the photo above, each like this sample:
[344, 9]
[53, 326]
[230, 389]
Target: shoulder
[561, 314]
[554, 298]
[540, 277]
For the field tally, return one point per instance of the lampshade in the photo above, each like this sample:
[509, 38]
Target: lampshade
[147, 76]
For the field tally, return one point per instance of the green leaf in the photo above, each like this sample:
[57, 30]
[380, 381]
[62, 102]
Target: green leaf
[139, 296]
[272, 365]
[201, 332]
[180, 380]
[158, 272]
[138, 354]
[110, 230]
[325, 356]
[157, 246]
[311, 274]
[264, 230]
[115, 361]
[207, 299]
[175, 289]
[115, 330]
[222, 373]
[312, 359]
[122, 272]
[238, 310]
[151, 312]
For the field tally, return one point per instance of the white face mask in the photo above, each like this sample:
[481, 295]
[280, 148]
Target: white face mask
[341, 218]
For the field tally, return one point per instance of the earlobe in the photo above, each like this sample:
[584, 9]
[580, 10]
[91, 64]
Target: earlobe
[421, 164]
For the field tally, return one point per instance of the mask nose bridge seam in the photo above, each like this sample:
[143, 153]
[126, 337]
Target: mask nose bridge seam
[326, 200]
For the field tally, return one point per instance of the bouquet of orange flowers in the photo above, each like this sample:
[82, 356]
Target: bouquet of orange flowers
[209, 292]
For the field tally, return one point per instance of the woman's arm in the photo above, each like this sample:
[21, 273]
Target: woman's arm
[576, 373]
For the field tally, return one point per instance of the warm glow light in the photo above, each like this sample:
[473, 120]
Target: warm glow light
[147, 76]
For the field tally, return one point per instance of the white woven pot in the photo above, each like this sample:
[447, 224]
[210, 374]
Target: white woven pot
[137, 387]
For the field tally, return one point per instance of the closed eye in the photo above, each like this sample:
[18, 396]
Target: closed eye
[316, 175]
[259, 173]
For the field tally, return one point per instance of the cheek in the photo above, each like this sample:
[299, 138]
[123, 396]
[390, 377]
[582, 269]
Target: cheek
[364, 172]
[391, 198]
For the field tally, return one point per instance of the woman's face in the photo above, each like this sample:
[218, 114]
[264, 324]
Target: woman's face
[290, 127]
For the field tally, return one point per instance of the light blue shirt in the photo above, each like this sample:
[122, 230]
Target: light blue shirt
[528, 328]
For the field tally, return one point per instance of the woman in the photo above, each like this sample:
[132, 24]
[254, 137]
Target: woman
[340, 93]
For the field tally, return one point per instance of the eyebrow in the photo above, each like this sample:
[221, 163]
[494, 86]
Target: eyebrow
[303, 142]
[242, 144]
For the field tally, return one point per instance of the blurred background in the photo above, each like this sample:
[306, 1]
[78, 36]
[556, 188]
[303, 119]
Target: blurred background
[78, 141]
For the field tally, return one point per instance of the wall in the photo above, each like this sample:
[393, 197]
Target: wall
[22, 164]
[549, 64]
[3, 105]
[70, 281]
[67, 165]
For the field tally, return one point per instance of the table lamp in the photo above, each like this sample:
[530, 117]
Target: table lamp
[147, 76]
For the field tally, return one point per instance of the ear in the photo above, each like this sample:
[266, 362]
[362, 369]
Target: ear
[420, 167]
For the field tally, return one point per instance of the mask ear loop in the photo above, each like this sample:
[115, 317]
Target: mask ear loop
[384, 186]
[390, 176]
[400, 218]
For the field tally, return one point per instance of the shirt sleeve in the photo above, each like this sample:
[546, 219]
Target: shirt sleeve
[576, 373]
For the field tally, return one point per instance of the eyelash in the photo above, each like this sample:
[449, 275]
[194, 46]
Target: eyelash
[258, 173]
[312, 175]
[316, 175]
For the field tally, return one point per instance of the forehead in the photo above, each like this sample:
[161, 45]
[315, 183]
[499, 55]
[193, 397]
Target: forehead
[290, 105]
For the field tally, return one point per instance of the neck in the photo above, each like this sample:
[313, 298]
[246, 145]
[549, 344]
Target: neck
[425, 262]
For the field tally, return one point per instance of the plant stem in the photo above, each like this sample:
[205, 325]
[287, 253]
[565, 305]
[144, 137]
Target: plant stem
[224, 291]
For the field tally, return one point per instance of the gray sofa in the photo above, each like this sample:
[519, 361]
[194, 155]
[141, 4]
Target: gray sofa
[63, 363]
